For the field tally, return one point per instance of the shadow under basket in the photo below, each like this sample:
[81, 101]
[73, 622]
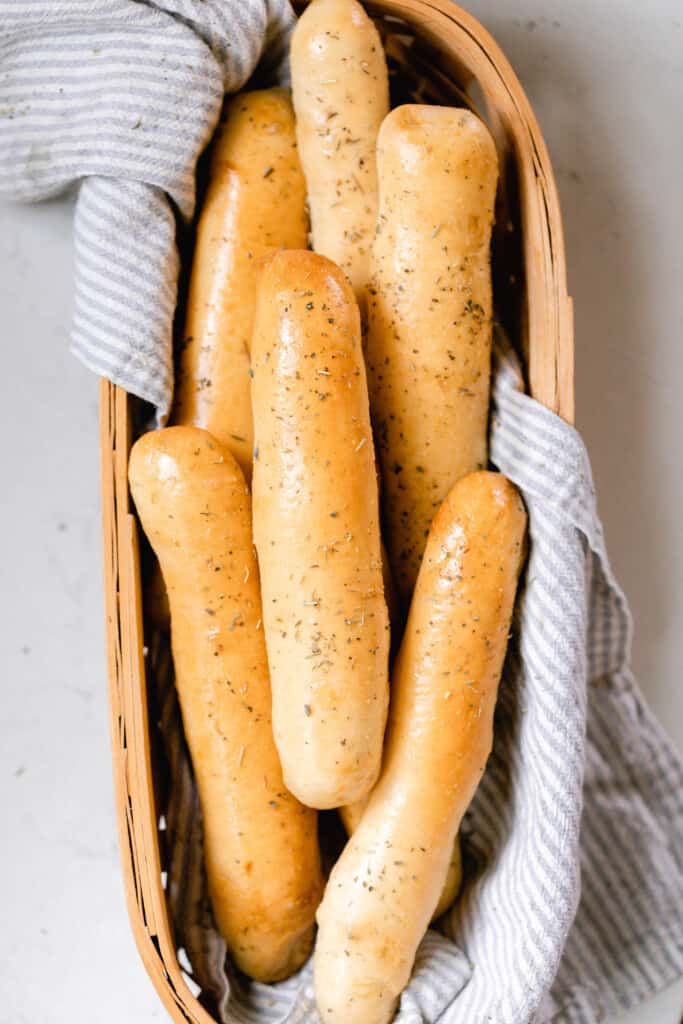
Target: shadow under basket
[437, 53]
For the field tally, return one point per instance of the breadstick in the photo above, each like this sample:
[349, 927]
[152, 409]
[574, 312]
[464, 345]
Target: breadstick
[429, 316]
[261, 845]
[340, 89]
[385, 886]
[255, 203]
[316, 528]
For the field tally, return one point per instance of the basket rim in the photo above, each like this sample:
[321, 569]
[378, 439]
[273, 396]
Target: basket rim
[551, 381]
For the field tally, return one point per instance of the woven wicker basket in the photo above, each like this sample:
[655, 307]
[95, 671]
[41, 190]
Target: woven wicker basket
[436, 51]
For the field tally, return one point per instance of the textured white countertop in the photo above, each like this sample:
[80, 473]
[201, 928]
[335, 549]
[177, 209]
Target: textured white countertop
[606, 81]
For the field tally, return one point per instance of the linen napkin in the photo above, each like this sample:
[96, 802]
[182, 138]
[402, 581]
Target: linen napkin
[573, 846]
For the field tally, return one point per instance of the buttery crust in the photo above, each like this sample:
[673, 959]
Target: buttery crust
[429, 316]
[316, 528]
[340, 88]
[260, 844]
[255, 203]
[351, 816]
[383, 890]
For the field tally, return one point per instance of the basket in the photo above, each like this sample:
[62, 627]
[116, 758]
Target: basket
[436, 51]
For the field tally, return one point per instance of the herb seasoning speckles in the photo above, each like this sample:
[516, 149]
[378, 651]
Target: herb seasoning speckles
[340, 89]
[198, 520]
[401, 858]
[316, 528]
[429, 316]
[255, 203]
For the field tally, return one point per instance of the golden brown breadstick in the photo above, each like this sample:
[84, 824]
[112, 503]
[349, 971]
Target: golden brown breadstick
[316, 528]
[261, 845]
[429, 316]
[255, 203]
[340, 89]
[383, 890]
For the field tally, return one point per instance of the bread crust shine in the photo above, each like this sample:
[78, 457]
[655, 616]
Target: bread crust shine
[260, 843]
[429, 316]
[383, 890]
[340, 87]
[316, 528]
[256, 202]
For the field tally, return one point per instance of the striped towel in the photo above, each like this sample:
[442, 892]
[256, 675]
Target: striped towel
[122, 96]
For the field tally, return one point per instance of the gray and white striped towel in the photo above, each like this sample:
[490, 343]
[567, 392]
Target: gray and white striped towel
[122, 95]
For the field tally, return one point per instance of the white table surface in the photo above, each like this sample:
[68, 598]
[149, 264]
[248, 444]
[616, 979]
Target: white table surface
[606, 80]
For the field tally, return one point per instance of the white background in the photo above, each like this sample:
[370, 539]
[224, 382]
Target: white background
[606, 80]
